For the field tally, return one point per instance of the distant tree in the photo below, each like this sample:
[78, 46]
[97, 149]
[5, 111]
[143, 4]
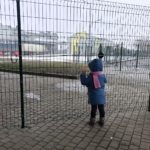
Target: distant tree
[100, 51]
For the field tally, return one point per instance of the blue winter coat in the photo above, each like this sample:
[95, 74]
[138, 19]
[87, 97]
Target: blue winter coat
[96, 96]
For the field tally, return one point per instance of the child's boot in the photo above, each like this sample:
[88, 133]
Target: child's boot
[92, 121]
[101, 121]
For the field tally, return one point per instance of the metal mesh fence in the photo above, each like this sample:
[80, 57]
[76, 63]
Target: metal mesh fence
[58, 37]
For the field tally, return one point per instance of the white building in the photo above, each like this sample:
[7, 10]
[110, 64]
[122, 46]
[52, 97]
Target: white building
[32, 43]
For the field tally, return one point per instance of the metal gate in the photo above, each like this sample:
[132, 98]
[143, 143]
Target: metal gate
[43, 45]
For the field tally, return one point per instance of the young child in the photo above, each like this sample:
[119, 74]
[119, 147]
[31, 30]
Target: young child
[95, 82]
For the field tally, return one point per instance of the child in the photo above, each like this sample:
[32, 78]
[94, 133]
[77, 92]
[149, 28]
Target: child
[95, 82]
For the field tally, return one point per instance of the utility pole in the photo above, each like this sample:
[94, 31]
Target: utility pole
[89, 39]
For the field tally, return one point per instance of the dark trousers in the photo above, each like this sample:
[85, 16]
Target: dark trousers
[94, 110]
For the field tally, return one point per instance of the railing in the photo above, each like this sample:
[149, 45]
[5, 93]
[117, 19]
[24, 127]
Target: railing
[44, 43]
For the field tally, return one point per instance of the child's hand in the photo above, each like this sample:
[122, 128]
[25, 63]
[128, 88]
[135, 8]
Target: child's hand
[84, 69]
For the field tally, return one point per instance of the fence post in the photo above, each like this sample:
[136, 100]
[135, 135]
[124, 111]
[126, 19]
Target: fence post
[149, 103]
[20, 63]
[116, 55]
[149, 97]
[85, 54]
[121, 56]
[137, 56]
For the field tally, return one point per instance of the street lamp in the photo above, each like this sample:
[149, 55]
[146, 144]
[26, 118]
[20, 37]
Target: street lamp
[89, 36]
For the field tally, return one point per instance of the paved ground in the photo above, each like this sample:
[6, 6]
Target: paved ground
[122, 131]
[46, 97]
[126, 126]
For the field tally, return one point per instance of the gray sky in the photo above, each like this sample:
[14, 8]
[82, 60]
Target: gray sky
[135, 2]
[67, 18]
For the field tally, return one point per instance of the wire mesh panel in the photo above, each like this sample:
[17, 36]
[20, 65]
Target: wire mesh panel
[9, 82]
[58, 37]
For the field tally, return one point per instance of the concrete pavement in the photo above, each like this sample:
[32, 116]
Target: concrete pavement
[122, 131]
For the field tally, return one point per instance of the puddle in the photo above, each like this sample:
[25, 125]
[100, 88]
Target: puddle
[32, 96]
[71, 86]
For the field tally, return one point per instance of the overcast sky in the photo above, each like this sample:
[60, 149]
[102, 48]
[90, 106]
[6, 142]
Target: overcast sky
[66, 18]
[137, 2]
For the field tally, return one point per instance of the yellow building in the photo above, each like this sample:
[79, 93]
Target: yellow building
[80, 44]
[76, 40]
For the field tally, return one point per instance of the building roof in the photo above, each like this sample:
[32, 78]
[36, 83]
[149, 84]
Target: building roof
[8, 33]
